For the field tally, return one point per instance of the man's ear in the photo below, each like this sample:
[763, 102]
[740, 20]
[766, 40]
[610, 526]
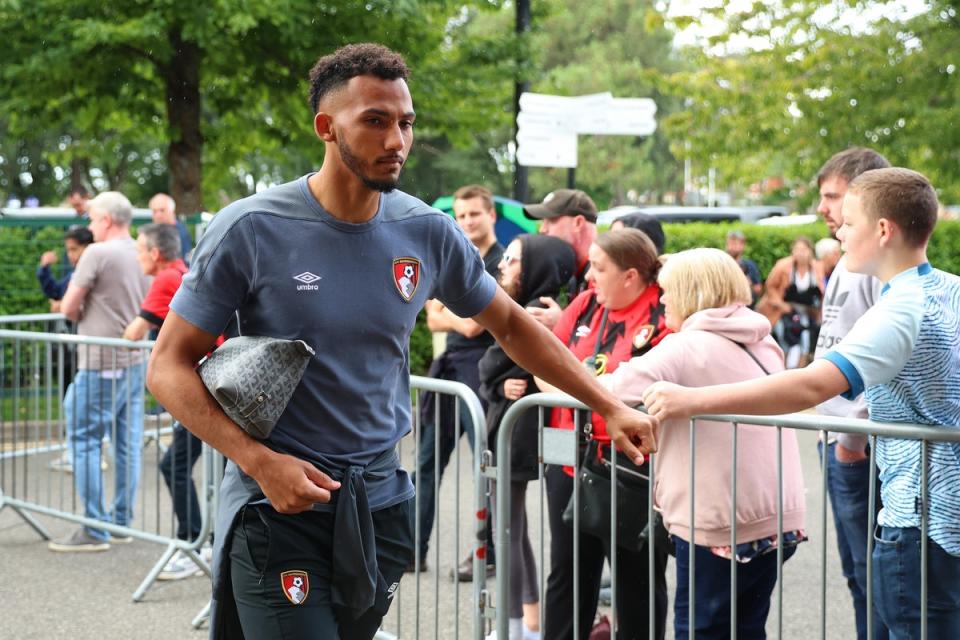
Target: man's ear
[323, 126]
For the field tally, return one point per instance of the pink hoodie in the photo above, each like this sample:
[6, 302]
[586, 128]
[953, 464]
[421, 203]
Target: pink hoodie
[703, 353]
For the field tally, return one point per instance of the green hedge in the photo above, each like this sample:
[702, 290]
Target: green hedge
[766, 245]
[20, 248]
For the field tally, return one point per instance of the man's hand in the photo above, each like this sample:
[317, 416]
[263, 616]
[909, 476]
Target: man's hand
[848, 455]
[292, 485]
[633, 432]
[48, 258]
[514, 388]
[666, 400]
[548, 316]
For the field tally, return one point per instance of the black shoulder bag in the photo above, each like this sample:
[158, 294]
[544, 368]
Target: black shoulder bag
[595, 489]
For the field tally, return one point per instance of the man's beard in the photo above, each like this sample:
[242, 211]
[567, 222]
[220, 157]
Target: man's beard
[352, 162]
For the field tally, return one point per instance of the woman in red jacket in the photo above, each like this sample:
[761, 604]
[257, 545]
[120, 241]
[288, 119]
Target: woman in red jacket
[619, 318]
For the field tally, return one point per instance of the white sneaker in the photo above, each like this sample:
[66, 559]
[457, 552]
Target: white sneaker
[515, 630]
[180, 566]
[62, 464]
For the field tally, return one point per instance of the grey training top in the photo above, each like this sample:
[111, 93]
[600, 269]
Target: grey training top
[352, 292]
[848, 296]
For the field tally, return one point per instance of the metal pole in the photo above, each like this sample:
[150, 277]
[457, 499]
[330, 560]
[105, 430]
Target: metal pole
[571, 178]
[520, 185]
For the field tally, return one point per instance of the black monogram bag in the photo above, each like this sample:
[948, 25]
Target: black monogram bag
[253, 379]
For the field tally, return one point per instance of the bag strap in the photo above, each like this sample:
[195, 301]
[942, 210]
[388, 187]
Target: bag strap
[591, 365]
[749, 353]
[596, 348]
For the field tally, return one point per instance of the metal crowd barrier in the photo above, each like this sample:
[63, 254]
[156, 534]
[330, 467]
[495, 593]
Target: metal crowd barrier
[38, 322]
[36, 370]
[38, 467]
[560, 447]
[442, 612]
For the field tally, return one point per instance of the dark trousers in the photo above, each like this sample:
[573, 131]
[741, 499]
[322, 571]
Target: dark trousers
[848, 485]
[632, 582]
[177, 468]
[432, 460]
[280, 570]
[896, 585]
[755, 582]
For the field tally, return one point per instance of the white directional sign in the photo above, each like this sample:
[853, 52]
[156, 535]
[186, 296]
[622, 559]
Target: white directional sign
[547, 149]
[547, 126]
[621, 116]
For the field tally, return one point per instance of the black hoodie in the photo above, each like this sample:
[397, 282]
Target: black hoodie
[546, 266]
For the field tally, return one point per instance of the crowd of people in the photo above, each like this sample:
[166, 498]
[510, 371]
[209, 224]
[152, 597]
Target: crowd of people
[605, 316]
[117, 287]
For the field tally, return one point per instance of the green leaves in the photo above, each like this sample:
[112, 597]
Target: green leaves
[825, 78]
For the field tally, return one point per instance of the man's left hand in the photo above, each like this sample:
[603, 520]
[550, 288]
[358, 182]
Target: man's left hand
[633, 432]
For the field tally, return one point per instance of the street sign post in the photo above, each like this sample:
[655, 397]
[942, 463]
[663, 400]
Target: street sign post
[547, 126]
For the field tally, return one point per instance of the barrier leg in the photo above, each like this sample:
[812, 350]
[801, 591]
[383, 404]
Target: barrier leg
[201, 617]
[154, 572]
[29, 519]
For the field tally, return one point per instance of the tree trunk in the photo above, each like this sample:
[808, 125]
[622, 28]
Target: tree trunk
[184, 155]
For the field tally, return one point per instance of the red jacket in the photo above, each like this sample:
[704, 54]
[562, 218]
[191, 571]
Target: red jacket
[629, 332]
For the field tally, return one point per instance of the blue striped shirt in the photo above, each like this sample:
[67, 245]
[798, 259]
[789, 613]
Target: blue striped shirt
[905, 352]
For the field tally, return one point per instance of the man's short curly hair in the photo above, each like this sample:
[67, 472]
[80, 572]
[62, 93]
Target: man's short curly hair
[335, 69]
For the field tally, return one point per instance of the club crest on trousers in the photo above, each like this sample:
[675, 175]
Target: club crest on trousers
[296, 586]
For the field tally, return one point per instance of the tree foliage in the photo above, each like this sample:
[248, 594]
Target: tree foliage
[620, 46]
[217, 85]
[814, 78]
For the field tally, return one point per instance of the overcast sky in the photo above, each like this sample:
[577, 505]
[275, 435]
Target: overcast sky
[708, 25]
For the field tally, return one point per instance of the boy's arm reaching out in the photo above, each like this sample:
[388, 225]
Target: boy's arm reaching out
[784, 392]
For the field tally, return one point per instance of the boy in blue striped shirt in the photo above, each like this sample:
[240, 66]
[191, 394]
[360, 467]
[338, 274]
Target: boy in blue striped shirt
[905, 354]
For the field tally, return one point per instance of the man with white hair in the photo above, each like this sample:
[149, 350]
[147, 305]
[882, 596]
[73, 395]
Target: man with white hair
[828, 253]
[104, 295]
[164, 211]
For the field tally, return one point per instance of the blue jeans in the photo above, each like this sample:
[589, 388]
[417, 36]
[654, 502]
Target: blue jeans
[101, 404]
[755, 582]
[896, 585]
[177, 468]
[848, 485]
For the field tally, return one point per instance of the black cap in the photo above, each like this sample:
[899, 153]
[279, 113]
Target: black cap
[649, 225]
[563, 202]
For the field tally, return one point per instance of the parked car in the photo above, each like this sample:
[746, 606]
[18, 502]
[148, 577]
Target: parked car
[695, 214]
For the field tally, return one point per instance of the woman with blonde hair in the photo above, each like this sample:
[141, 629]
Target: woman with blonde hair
[717, 339]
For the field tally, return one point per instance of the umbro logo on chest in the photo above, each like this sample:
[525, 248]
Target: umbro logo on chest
[306, 281]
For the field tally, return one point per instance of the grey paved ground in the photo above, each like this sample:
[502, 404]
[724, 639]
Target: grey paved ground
[47, 596]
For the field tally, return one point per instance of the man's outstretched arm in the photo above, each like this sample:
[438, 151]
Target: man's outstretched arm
[537, 350]
[784, 392]
[290, 484]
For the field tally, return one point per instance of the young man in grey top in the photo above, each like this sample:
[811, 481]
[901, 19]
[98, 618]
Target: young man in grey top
[342, 260]
[848, 296]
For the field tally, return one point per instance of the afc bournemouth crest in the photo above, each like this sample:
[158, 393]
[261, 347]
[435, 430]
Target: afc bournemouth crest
[296, 586]
[643, 336]
[406, 275]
